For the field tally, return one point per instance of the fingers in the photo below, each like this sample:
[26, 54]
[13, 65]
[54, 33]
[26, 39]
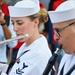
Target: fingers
[1, 17]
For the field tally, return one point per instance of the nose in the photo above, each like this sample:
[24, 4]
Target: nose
[15, 27]
[56, 36]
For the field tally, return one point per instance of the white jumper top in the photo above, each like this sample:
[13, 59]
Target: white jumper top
[68, 61]
[35, 60]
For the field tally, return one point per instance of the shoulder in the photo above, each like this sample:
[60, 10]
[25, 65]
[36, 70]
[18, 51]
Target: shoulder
[73, 73]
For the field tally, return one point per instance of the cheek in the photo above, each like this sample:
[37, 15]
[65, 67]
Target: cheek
[23, 29]
[68, 41]
[68, 35]
[29, 29]
[68, 38]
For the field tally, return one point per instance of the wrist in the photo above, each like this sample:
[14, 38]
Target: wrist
[2, 24]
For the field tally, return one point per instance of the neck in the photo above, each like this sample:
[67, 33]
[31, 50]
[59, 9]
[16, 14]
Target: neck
[32, 38]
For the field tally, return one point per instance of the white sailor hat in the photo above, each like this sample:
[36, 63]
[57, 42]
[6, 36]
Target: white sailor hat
[64, 12]
[24, 8]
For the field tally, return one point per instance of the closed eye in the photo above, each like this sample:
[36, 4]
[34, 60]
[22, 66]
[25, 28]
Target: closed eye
[19, 22]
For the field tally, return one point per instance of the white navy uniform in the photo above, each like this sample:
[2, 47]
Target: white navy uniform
[67, 8]
[68, 61]
[35, 60]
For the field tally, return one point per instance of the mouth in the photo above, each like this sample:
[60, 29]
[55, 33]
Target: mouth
[18, 34]
[60, 45]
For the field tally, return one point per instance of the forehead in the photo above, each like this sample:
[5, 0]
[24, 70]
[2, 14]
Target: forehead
[61, 24]
[19, 18]
[56, 25]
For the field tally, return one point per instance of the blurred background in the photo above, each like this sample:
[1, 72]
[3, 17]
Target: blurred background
[12, 2]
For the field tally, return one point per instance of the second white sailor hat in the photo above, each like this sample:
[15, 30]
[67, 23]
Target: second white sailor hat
[64, 12]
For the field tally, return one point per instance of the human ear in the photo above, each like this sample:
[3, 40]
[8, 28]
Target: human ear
[36, 21]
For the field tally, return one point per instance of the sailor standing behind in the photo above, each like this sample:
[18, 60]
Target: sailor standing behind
[6, 32]
[63, 19]
[34, 54]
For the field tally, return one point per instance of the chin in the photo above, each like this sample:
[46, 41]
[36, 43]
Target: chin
[69, 52]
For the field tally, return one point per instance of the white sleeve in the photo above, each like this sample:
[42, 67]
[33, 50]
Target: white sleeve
[12, 43]
[2, 73]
